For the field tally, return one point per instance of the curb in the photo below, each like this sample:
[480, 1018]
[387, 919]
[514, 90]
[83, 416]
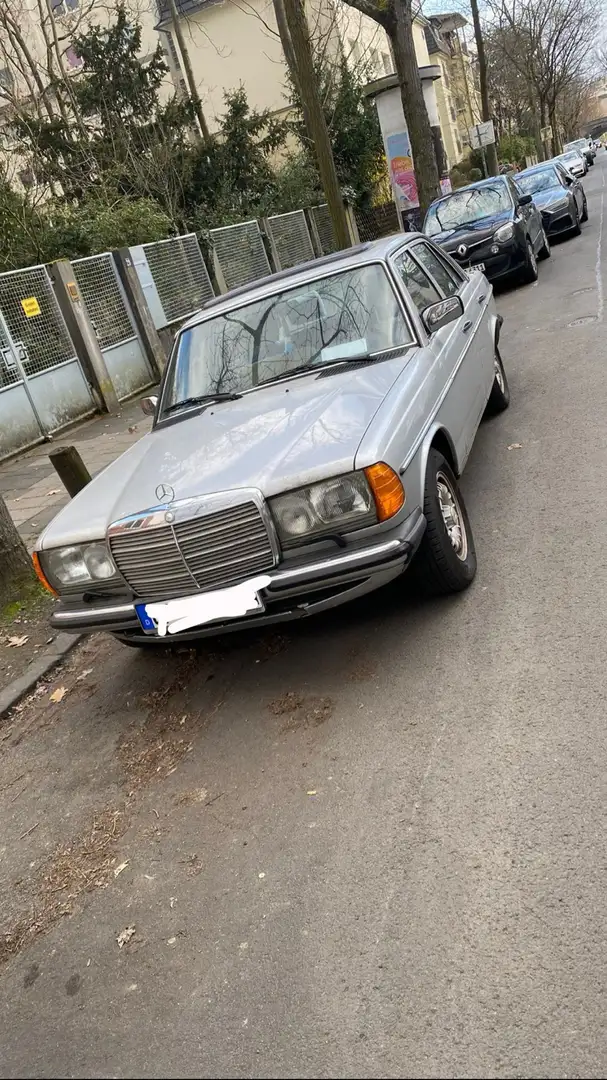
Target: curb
[18, 688]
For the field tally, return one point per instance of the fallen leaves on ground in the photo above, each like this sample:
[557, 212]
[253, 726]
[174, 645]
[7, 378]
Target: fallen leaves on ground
[17, 642]
[301, 712]
[515, 446]
[119, 869]
[59, 694]
[125, 936]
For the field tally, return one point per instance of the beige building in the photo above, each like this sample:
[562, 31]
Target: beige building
[457, 91]
[233, 43]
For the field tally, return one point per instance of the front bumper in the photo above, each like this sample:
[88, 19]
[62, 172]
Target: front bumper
[508, 260]
[559, 222]
[296, 589]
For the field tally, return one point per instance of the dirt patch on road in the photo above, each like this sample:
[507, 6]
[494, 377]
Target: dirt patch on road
[85, 863]
[301, 712]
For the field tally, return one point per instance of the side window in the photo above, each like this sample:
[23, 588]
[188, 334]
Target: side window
[421, 290]
[446, 279]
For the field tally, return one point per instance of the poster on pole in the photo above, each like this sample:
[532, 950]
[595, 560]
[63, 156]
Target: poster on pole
[400, 163]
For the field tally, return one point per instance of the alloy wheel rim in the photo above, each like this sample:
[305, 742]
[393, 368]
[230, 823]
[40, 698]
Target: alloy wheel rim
[499, 375]
[451, 513]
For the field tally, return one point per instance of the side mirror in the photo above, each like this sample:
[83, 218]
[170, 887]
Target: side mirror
[148, 405]
[442, 313]
[569, 180]
[525, 200]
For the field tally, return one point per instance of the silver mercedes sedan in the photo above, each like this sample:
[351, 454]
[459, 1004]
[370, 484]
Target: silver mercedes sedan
[308, 437]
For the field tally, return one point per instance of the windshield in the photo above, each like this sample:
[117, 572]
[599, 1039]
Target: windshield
[469, 204]
[577, 143]
[354, 313]
[573, 158]
[531, 183]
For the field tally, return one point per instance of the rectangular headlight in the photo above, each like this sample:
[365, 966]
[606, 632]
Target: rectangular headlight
[78, 564]
[337, 505]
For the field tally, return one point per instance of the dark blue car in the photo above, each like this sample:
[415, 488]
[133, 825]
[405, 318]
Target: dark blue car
[491, 225]
[558, 195]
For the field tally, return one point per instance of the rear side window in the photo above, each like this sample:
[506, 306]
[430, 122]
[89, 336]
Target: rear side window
[446, 279]
[416, 281]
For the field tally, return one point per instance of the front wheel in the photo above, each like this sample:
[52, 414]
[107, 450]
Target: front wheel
[529, 273]
[584, 216]
[446, 559]
[577, 228]
[544, 252]
[499, 398]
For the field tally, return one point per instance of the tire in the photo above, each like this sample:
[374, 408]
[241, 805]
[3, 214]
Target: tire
[584, 216]
[577, 228]
[438, 567]
[499, 398]
[529, 272]
[544, 252]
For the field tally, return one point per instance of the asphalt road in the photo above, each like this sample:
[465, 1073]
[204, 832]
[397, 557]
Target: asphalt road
[381, 850]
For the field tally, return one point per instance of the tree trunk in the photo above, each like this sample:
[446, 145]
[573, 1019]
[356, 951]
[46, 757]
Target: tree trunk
[414, 106]
[491, 150]
[189, 72]
[298, 51]
[15, 563]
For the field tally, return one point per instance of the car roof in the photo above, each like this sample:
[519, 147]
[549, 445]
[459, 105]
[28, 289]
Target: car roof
[359, 255]
[537, 168]
[470, 187]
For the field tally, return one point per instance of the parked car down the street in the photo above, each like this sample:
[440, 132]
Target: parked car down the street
[491, 225]
[558, 195]
[574, 162]
[584, 147]
[306, 445]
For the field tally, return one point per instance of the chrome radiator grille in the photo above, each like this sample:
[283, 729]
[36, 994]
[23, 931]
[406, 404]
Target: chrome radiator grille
[211, 551]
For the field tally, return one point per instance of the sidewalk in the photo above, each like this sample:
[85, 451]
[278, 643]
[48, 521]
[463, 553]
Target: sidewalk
[30, 486]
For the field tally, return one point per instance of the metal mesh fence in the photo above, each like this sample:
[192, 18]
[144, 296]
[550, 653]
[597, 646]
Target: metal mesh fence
[240, 253]
[179, 274]
[377, 221]
[291, 238]
[323, 227]
[9, 372]
[35, 323]
[104, 300]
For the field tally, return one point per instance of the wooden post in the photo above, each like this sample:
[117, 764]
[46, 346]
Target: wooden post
[70, 468]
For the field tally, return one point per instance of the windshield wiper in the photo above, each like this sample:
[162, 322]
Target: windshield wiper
[202, 399]
[356, 358]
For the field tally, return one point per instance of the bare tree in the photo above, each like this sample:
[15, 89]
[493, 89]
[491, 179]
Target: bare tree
[491, 150]
[15, 563]
[396, 18]
[548, 42]
[295, 38]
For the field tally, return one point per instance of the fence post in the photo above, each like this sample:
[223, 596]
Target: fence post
[82, 332]
[270, 244]
[217, 271]
[141, 313]
[352, 226]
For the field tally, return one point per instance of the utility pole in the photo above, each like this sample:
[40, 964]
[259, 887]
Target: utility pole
[482, 75]
[189, 72]
[295, 37]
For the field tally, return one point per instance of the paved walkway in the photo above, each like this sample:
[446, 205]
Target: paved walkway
[29, 484]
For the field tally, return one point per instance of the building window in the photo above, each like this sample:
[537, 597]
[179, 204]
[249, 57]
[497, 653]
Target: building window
[453, 114]
[63, 7]
[458, 143]
[6, 80]
[73, 60]
[388, 65]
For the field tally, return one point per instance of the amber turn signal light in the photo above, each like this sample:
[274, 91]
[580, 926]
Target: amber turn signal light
[388, 492]
[41, 575]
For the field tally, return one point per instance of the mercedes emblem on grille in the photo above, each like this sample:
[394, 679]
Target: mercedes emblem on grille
[165, 493]
[461, 251]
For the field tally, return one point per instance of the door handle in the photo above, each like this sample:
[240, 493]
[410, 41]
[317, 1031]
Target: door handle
[482, 297]
[467, 326]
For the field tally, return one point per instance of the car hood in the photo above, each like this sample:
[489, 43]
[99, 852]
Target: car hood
[472, 232]
[550, 195]
[276, 438]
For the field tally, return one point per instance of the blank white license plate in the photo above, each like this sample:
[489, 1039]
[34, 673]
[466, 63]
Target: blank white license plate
[164, 617]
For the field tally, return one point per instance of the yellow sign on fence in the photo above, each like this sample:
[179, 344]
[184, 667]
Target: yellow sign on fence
[31, 306]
